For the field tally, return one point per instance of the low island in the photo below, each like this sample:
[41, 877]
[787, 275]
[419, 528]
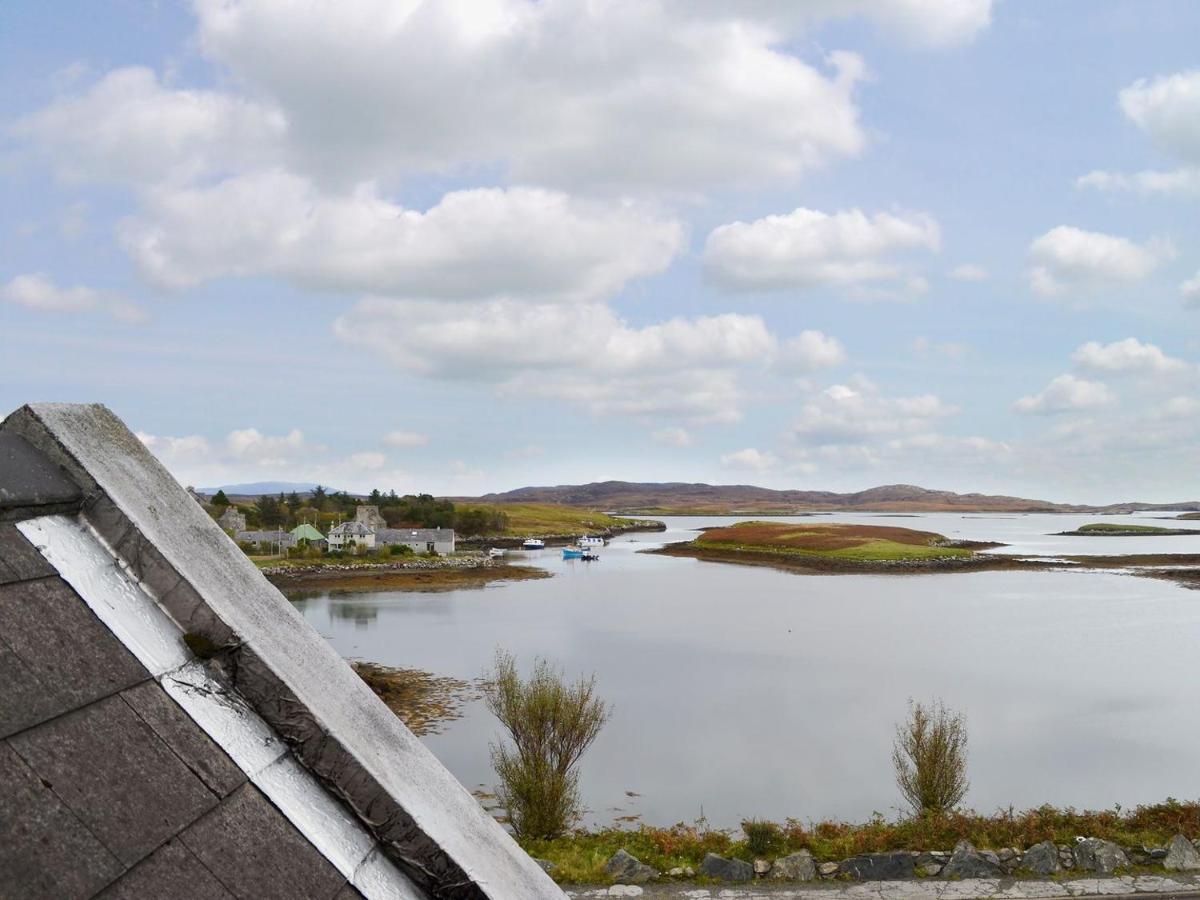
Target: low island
[1114, 529]
[836, 547]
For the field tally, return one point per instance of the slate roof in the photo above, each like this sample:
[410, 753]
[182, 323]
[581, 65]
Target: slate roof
[355, 528]
[420, 535]
[130, 767]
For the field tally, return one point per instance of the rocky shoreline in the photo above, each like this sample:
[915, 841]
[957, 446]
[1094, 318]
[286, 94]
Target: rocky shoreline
[442, 574]
[1086, 856]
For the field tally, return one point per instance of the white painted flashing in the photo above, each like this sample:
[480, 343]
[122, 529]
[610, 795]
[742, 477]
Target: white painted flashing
[89, 566]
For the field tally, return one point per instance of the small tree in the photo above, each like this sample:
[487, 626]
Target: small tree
[930, 756]
[551, 724]
[220, 499]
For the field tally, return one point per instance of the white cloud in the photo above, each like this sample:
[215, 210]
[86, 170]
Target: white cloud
[1066, 393]
[251, 444]
[1127, 356]
[1068, 259]
[370, 460]
[405, 439]
[969, 272]
[858, 410]
[809, 351]
[751, 459]
[672, 437]
[1178, 181]
[128, 128]
[806, 248]
[561, 93]
[585, 354]
[502, 337]
[1167, 109]
[1190, 291]
[37, 291]
[478, 243]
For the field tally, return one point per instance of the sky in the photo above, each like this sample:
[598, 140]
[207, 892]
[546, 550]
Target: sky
[461, 247]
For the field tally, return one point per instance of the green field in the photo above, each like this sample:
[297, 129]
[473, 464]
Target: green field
[544, 519]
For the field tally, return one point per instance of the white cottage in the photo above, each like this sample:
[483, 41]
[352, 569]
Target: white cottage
[351, 535]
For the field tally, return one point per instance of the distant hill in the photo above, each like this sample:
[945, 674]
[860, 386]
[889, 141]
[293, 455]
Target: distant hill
[666, 497]
[258, 488]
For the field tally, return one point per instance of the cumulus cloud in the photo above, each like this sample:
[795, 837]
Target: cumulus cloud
[851, 412]
[473, 243]
[808, 352]
[562, 92]
[1066, 393]
[37, 291]
[1127, 356]
[1190, 292]
[405, 439]
[1167, 110]
[683, 368]
[750, 458]
[672, 437]
[807, 248]
[1067, 260]
[129, 128]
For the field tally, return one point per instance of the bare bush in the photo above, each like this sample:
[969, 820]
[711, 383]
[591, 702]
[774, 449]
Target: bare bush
[551, 723]
[930, 756]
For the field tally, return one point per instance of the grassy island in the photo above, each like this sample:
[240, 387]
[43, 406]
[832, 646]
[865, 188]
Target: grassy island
[1113, 529]
[836, 547]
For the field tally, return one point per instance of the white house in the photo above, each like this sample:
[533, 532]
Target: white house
[351, 535]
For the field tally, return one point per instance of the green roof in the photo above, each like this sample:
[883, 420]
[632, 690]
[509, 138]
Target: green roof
[306, 532]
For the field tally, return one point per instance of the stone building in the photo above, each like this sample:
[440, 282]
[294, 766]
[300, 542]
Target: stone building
[370, 516]
[232, 520]
[421, 540]
[170, 726]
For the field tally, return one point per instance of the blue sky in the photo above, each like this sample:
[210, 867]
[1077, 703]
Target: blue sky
[463, 247]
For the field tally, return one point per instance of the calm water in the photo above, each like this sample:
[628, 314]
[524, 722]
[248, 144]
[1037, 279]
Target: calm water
[741, 691]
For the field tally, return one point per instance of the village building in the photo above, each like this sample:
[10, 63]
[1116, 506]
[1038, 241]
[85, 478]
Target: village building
[278, 539]
[371, 517]
[232, 520]
[307, 536]
[170, 726]
[351, 536]
[421, 540]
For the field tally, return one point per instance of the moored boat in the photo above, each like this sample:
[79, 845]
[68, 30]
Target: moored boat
[572, 553]
[591, 542]
[495, 553]
[533, 544]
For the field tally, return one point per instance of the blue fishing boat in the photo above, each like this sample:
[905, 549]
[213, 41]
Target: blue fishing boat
[572, 553]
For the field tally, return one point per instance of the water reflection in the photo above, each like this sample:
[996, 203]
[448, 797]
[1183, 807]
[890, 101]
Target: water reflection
[749, 692]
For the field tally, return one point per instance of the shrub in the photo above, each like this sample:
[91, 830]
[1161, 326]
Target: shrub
[551, 723]
[401, 550]
[930, 756]
[762, 838]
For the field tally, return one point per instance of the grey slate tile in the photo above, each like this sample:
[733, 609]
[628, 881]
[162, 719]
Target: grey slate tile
[258, 853]
[24, 699]
[44, 850]
[62, 642]
[188, 741]
[119, 779]
[19, 559]
[28, 478]
[169, 873]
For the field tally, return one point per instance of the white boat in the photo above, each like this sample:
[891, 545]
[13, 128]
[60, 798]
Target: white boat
[533, 544]
[591, 542]
[495, 553]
